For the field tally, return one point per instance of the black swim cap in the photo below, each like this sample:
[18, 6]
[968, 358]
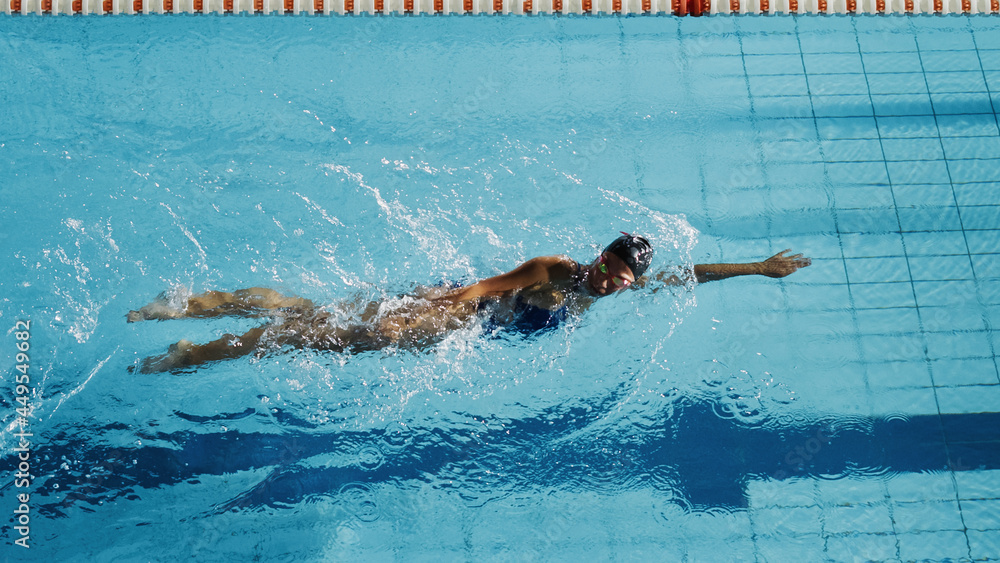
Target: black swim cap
[634, 250]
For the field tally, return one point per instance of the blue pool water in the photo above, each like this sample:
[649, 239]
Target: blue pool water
[846, 413]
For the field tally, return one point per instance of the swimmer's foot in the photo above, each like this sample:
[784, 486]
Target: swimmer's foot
[154, 311]
[177, 356]
[168, 305]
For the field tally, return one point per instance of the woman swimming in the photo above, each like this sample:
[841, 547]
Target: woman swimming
[536, 295]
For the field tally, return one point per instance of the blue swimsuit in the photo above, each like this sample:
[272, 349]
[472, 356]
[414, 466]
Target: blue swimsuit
[530, 319]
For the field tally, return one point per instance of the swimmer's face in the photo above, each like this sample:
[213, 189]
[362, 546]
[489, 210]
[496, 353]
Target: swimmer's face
[609, 274]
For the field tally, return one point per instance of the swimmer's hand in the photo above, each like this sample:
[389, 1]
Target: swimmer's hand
[779, 265]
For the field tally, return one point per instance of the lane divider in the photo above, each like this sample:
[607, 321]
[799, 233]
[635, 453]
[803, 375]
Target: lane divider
[693, 8]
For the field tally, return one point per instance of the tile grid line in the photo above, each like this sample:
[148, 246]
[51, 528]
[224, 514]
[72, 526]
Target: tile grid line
[979, 296]
[850, 296]
[878, 132]
[768, 218]
[951, 183]
[844, 259]
[930, 367]
[971, 183]
[836, 216]
[751, 514]
[906, 255]
[994, 101]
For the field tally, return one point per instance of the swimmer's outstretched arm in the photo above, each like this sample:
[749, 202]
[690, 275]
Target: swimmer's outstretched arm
[777, 266]
[535, 271]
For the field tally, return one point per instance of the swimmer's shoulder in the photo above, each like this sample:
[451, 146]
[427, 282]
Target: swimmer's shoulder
[559, 266]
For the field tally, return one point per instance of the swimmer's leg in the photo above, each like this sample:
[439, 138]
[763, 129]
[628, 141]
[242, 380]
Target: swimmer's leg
[421, 325]
[251, 302]
[185, 353]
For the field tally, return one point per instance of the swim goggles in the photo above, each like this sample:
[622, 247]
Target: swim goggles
[618, 282]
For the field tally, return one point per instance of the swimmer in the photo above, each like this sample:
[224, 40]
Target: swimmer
[536, 295]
